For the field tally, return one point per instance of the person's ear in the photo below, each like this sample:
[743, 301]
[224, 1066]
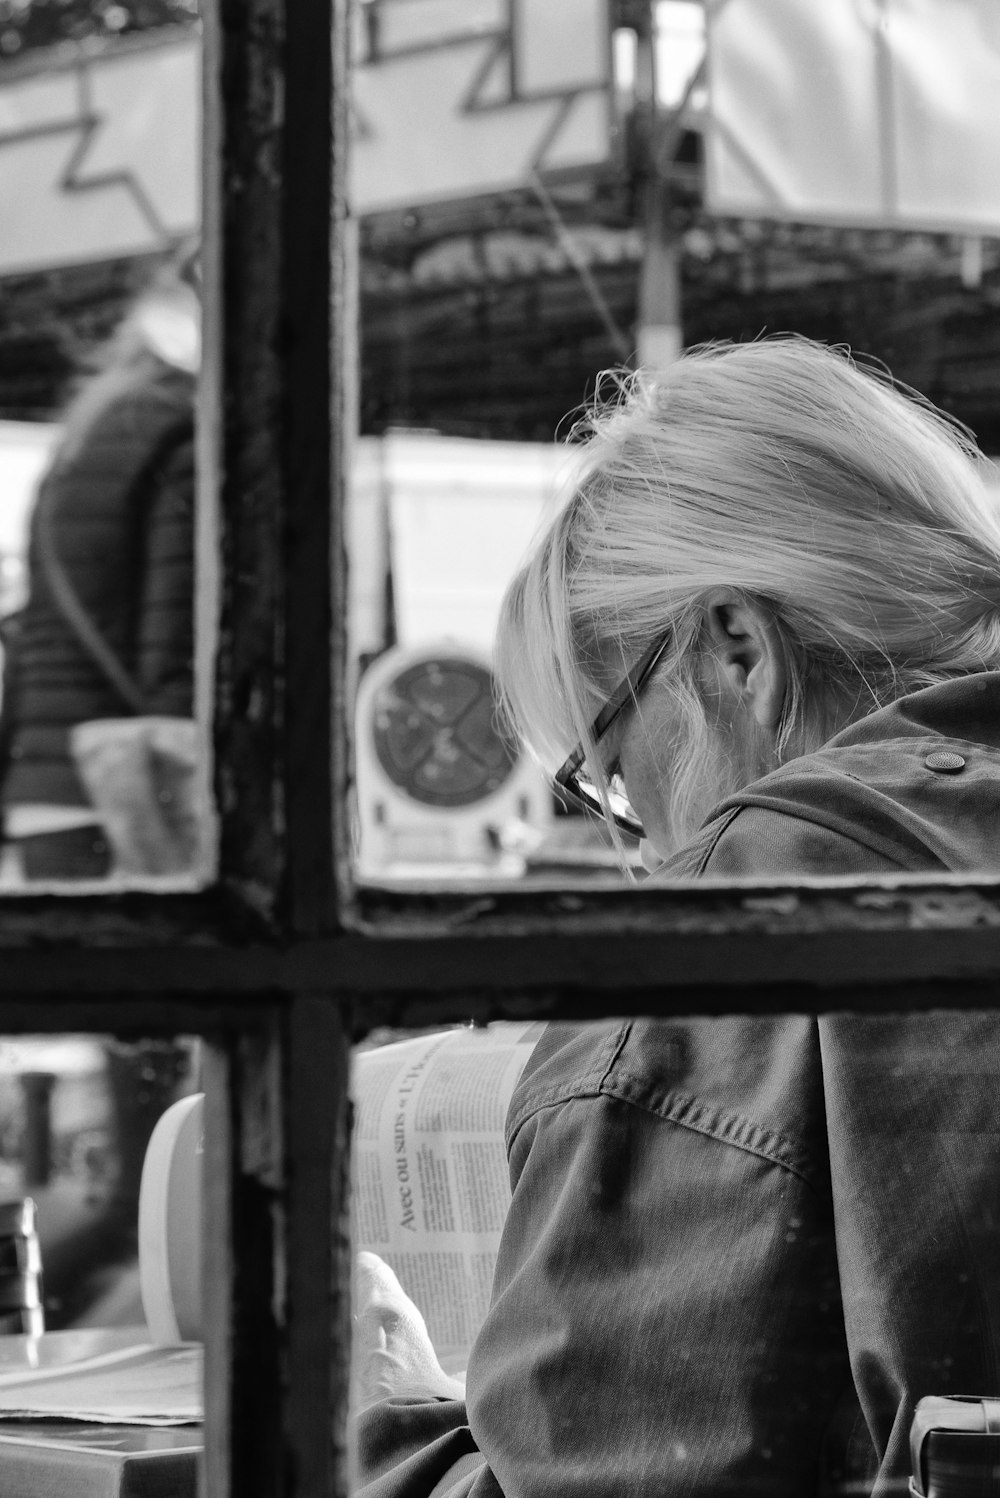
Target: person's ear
[747, 647]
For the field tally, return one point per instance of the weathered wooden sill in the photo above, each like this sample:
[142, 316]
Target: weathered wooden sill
[421, 956]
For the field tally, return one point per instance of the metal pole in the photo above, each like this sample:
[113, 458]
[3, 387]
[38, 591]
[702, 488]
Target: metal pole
[37, 1149]
[658, 334]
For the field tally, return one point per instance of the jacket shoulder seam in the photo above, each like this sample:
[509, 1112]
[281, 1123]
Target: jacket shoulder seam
[726, 1127]
[566, 1090]
[725, 822]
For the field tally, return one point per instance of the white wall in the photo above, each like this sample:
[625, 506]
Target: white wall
[456, 516]
[24, 453]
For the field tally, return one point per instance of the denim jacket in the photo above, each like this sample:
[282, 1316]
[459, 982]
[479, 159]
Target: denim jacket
[740, 1249]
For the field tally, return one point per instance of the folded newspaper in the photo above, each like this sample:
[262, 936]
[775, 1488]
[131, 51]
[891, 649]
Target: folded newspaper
[430, 1181]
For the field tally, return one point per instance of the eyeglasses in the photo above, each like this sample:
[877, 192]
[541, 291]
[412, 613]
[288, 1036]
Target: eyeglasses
[573, 780]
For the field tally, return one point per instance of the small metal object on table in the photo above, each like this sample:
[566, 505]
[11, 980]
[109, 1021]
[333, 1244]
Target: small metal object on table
[21, 1307]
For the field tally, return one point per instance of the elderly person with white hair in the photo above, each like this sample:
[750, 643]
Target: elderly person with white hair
[763, 635]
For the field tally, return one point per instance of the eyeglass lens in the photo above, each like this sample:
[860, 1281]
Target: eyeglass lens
[621, 808]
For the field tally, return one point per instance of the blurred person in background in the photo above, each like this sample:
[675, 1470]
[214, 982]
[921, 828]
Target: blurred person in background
[107, 629]
[106, 635]
[763, 635]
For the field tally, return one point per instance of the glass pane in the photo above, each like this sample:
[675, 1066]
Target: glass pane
[77, 1116]
[100, 1246]
[530, 215]
[456, 463]
[704, 1256]
[103, 765]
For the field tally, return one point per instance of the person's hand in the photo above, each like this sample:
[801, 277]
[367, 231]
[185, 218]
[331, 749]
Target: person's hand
[392, 1352]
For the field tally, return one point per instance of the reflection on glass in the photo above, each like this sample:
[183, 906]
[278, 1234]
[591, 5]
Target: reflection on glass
[737, 1253]
[497, 280]
[450, 480]
[100, 739]
[100, 1245]
[98, 747]
[76, 1117]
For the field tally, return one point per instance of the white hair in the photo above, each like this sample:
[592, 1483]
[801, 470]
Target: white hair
[162, 327]
[848, 507]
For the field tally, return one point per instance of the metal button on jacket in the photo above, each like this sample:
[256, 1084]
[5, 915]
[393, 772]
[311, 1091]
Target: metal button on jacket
[945, 762]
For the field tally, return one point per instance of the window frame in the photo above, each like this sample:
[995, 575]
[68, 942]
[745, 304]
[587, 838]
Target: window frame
[282, 961]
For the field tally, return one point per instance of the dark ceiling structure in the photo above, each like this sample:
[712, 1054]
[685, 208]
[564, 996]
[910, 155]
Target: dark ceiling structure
[494, 316]
[479, 324]
[486, 326]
